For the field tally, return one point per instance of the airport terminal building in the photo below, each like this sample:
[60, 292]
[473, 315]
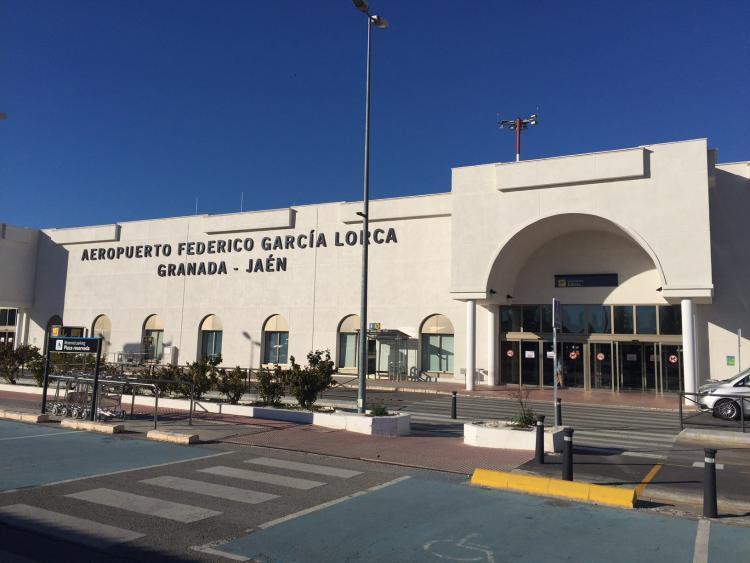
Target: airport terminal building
[645, 247]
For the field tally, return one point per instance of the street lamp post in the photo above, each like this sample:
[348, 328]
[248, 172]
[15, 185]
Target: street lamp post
[381, 23]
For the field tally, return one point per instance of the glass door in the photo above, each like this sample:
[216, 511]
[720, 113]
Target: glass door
[530, 363]
[650, 363]
[509, 364]
[572, 364]
[548, 364]
[631, 366]
[602, 365]
[671, 367]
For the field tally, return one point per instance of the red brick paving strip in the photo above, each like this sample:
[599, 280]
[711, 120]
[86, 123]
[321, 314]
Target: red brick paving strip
[439, 452]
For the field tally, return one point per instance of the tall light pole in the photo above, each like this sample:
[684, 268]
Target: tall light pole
[518, 124]
[377, 21]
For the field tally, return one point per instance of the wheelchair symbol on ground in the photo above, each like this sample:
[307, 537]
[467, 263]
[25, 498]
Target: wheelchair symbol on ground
[462, 550]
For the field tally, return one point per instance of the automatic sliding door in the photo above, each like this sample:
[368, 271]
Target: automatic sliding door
[631, 367]
[530, 363]
[671, 367]
[601, 365]
[572, 362]
[509, 363]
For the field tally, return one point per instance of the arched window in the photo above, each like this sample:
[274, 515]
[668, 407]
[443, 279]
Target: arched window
[276, 340]
[211, 334]
[437, 344]
[102, 327]
[348, 342]
[153, 338]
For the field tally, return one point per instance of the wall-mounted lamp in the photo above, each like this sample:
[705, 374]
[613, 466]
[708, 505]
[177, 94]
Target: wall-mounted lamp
[492, 292]
[659, 289]
[508, 296]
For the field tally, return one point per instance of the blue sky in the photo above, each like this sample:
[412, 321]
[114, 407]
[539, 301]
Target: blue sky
[121, 110]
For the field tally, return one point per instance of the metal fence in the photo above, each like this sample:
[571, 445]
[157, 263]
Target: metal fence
[697, 414]
[73, 396]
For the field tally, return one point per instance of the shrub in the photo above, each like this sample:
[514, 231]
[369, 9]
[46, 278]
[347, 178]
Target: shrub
[525, 417]
[232, 384]
[271, 386]
[13, 360]
[36, 365]
[203, 374]
[306, 384]
[379, 410]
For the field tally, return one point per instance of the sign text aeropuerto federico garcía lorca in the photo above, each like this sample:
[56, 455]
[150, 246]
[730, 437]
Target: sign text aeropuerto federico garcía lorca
[234, 245]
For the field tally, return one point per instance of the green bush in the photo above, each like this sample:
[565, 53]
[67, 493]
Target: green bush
[232, 384]
[306, 384]
[271, 386]
[203, 374]
[379, 410]
[13, 360]
[525, 417]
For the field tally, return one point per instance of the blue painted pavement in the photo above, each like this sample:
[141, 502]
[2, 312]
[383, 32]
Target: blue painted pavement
[38, 454]
[422, 520]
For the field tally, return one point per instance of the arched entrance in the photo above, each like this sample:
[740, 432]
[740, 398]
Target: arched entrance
[618, 332]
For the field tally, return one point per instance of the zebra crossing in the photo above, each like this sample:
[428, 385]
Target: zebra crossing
[233, 483]
[649, 432]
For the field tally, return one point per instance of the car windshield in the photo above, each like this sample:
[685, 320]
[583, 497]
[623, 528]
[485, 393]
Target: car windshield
[739, 376]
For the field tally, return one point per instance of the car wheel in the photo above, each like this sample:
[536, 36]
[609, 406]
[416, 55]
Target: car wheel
[727, 409]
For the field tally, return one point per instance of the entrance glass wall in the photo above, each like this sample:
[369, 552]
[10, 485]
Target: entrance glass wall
[608, 347]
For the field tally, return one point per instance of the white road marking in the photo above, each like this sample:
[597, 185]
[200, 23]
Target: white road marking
[210, 489]
[219, 553]
[123, 471]
[700, 552]
[41, 435]
[477, 552]
[644, 454]
[270, 478]
[145, 505]
[68, 528]
[330, 503]
[305, 467]
[701, 464]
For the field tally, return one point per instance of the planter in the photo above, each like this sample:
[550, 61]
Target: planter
[500, 434]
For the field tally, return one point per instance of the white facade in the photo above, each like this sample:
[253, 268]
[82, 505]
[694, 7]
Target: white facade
[664, 219]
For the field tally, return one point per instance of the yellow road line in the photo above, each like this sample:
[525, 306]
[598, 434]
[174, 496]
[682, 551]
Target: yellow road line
[647, 479]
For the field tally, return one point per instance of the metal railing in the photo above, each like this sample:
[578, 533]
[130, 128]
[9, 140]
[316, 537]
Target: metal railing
[742, 403]
[131, 383]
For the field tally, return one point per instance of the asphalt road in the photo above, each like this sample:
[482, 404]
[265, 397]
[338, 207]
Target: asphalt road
[82, 497]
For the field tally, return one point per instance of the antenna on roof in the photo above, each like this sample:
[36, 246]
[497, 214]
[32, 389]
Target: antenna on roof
[519, 124]
[196, 206]
[242, 201]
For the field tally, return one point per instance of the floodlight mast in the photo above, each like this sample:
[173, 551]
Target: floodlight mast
[518, 124]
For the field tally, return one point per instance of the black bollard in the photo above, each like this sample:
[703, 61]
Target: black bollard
[540, 439]
[710, 509]
[567, 469]
[453, 405]
[558, 413]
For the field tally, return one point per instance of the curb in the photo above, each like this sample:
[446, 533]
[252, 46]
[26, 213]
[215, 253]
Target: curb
[24, 416]
[92, 426]
[706, 436]
[657, 494]
[172, 437]
[546, 486]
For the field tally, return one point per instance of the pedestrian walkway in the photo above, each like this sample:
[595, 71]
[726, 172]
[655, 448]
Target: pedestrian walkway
[164, 498]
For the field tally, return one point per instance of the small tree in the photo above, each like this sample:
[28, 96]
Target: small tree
[306, 384]
[232, 384]
[203, 373]
[271, 385]
[10, 363]
[525, 417]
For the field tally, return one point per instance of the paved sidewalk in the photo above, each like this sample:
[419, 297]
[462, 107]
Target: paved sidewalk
[430, 452]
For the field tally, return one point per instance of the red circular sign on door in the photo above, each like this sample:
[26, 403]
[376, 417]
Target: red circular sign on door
[574, 355]
[509, 353]
[673, 359]
[600, 356]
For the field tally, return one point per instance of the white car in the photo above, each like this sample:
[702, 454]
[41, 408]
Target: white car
[723, 398]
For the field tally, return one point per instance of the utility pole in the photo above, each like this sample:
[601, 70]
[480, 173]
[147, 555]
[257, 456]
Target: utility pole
[518, 124]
